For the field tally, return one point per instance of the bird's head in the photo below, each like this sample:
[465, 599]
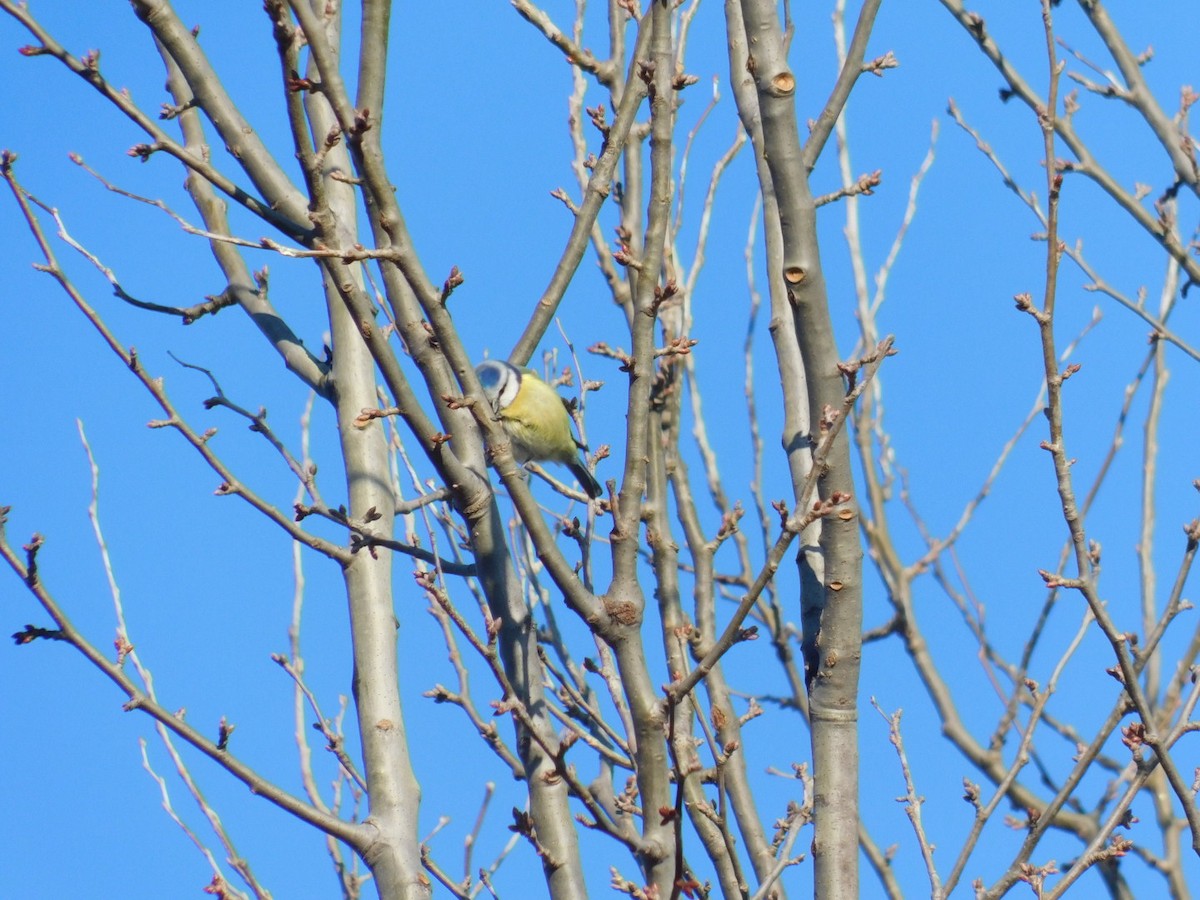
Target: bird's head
[500, 382]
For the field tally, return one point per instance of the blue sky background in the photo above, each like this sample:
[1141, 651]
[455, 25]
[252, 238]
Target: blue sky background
[476, 137]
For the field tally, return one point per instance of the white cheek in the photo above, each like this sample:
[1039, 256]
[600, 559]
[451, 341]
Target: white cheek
[508, 391]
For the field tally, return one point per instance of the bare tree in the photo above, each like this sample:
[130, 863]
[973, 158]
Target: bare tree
[614, 637]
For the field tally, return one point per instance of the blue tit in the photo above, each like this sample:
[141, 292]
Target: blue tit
[534, 417]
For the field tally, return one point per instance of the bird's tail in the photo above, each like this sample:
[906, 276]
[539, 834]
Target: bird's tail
[590, 485]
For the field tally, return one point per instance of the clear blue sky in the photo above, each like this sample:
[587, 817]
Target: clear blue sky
[476, 139]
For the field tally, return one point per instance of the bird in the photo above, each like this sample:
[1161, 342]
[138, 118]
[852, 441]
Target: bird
[534, 418]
